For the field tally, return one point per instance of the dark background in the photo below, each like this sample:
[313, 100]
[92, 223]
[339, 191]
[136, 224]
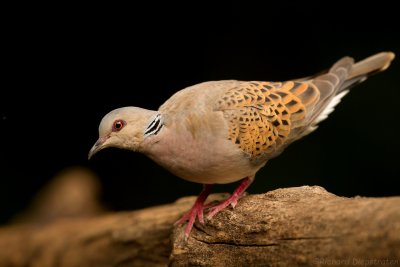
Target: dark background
[64, 67]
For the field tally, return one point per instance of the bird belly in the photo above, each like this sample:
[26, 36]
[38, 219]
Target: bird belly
[203, 160]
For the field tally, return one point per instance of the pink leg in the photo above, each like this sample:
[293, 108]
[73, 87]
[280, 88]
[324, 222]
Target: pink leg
[196, 210]
[232, 200]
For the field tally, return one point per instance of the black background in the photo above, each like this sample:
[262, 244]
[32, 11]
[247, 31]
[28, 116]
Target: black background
[64, 67]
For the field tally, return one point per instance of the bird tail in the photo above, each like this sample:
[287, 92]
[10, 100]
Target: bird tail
[373, 64]
[365, 68]
[335, 84]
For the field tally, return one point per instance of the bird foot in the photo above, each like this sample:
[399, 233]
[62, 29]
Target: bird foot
[232, 200]
[197, 211]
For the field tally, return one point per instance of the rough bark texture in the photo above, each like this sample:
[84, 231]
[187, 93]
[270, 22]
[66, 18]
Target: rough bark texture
[286, 227]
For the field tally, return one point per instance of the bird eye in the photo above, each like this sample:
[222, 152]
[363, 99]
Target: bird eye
[118, 125]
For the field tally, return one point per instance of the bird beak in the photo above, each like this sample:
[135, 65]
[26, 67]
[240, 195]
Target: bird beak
[99, 145]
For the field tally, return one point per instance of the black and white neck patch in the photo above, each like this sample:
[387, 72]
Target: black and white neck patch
[154, 126]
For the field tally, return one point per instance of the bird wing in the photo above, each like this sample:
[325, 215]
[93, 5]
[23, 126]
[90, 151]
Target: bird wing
[262, 115]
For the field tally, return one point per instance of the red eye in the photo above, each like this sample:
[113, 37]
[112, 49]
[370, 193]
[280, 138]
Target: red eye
[118, 125]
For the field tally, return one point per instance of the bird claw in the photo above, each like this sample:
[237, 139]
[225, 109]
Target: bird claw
[232, 200]
[197, 211]
[235, 201]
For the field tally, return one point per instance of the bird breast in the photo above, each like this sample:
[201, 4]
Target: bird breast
[195, 152]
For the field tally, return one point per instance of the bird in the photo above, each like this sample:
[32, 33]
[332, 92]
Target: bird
[220, 132]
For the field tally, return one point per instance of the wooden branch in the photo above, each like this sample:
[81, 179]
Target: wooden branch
[296, 226]
[139, 238]
[286, 227]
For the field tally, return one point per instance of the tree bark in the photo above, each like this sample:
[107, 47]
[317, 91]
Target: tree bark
[304, 226]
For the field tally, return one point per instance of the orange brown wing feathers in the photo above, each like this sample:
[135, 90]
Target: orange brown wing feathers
[261, 115]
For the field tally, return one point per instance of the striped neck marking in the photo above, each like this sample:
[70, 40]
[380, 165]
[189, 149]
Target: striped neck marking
[154, 126]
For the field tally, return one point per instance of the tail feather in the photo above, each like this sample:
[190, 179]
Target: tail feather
[330, 93]
[373, 64]
[348, 73]
[336, 83]
[367, 67]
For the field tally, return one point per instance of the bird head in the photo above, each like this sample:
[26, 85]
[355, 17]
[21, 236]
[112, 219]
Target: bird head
[126, 128]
